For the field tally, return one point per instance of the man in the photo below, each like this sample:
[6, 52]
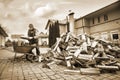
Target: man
[32, 33]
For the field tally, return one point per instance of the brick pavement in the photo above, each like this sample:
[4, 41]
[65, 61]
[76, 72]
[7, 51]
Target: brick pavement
[24, 70]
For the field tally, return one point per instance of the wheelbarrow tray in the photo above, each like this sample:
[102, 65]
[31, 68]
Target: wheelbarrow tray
[23, 49]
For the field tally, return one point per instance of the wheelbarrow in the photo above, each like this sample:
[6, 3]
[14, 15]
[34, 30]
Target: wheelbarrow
[26, 50]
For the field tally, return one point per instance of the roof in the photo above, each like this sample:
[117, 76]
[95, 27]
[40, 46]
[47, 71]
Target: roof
[106, 9]
[43, 35]
[51, 21]
[16, 36]
[2, 31]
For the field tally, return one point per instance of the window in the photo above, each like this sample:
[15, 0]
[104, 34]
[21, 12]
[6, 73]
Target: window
[98, 19]
[93, 21]
[115, 36]
[105, 17]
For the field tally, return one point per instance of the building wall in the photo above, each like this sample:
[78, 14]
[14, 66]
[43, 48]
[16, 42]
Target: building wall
[78, 23]
[82, 26]
[87, 30]
[63, 29]
[86, 22]
[112, 25]
[42, 40]
[105, 29]
[79, 26]
[79, 31]
[2, 40]
[112, 15]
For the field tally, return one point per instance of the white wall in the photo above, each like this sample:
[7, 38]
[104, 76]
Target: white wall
[62, 29]
[2, 40]
[78, 23]
[105, 27]
[41, 40]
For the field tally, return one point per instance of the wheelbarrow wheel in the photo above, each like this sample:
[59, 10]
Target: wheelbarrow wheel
[30, 57]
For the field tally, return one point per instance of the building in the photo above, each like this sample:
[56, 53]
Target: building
[16, 37]
[101, 24]
[55, 29]
[62, 25]
[3, 36]
[43, 39]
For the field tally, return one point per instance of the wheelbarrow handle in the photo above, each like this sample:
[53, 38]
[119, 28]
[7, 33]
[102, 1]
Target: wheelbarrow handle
[27, 38]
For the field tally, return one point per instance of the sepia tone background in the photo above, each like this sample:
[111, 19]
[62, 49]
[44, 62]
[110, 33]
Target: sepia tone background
[15, 15]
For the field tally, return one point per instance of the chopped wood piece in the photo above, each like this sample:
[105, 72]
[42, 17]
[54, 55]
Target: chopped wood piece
[90, 71]
[85, 56]
[68, 63]
[107, 67]
[72, 71]
[77, 52]
[102, 58]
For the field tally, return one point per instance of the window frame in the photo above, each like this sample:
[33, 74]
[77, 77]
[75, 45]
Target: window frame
[105, 17]
[93, 21]
[114, 32]
[98, 18]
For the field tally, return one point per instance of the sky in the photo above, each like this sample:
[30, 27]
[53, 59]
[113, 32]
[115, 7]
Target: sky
[16, 15]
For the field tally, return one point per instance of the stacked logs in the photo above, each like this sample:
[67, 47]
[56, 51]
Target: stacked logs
[85, 53]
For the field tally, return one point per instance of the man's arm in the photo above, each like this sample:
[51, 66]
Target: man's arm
[28, 33]
[36, 32]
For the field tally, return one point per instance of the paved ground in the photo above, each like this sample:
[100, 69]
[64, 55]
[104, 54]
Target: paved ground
[24, 70]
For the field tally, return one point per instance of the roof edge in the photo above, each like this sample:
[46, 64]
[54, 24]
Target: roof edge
[97, 10]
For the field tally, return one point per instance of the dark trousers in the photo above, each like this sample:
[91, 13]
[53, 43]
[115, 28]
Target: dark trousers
[37, 50]
[35, 41]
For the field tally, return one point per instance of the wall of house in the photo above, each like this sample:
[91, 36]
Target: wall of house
[82, 26]
[112, 15]
[43, 40]
[103, 29]
[79, 26]
[108, 35]
[86, 22]
[112, 25]
[63, 28]
[79, 31]
[2, 40]
[78, 23]
[106, 29]
[86, 30]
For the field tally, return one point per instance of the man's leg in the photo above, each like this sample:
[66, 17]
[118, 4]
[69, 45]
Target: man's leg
[37, 50]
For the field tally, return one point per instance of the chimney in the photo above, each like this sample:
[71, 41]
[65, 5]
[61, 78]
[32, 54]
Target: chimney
[71, 22]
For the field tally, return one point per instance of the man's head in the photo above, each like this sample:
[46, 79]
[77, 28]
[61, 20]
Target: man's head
[31, 26]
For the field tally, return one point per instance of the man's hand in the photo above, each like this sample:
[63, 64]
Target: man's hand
[30, 37]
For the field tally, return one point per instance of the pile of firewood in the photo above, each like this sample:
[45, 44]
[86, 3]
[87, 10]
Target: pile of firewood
[83, 52]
